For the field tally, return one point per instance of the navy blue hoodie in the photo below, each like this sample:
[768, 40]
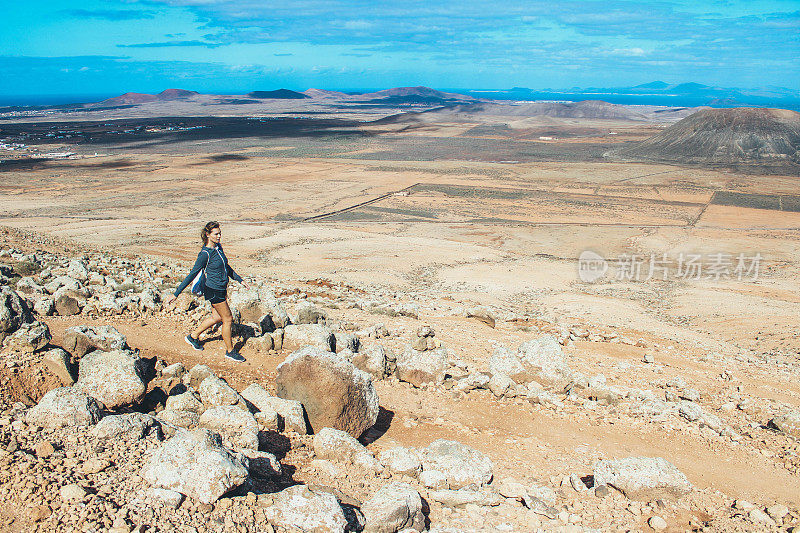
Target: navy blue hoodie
[217, 270]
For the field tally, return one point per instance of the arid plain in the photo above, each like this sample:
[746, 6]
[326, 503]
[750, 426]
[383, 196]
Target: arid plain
[447, 210]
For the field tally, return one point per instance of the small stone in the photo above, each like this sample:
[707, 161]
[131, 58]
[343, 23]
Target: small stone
[44, 449]
[760, 517]
[72, 491]
[601, 491]
[777, 512]
[657, 523]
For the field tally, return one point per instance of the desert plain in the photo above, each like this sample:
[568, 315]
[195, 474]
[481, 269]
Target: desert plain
[436, 212]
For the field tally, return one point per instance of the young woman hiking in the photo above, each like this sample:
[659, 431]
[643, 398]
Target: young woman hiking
[212, 261]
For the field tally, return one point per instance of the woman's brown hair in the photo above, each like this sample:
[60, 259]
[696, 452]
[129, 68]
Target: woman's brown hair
[206, 230]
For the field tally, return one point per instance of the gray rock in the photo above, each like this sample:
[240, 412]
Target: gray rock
[371, 360]
[461, 465]
[788, 423]
[196, 376]
[502, 385]
[308, 313]
[476, 380]
[543, 493]
[253, 306]
[186, 401]
[290, 412]
[131, 425]
[30, 337]
[216, 392]
[13, 312]
[59, 363]
[418, 367]
[298, 336]
[333, 392]
[337, 445]
[150, 300]
[277, 339]
[299, 509]
[45, 306]
[179, 419]
[80, 340]
[78, 270]
[690, 411]
[237, 427]
[642, 478]
[72, 492]
[64, 406]
[393, 508]
[113, 378]
[540, 359]
[401, 460]
[544, 358]
[347, 341]
[194, 463]
[66, 302]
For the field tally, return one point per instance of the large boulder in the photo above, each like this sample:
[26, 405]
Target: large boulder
[308, 313]
[13, 312]
[64, 406]
[237, 427]
[80, 340]
[67, 302]
[29, 338]
[460, 465]
[297, 336]
[337, 445]
[333, 392]
[196, 464]
[113, 378]
[186, 401]
[541, 360]
[215, 392]
[642, 478]
[372, 360]
[259, 306]
[78, 270]
[420, 367]
[290, 412]
[400, 460]
[299, 509]
[393, 508]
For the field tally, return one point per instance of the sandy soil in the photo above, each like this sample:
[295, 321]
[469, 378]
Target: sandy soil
[457, 231]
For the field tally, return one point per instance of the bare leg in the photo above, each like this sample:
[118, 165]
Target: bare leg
[227, 320]
[207, 323]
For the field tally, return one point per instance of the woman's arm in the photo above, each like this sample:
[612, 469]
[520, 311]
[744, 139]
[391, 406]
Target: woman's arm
[233, 275]
[200, 264]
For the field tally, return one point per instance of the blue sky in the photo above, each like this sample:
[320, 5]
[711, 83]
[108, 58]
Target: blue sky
[102, 46]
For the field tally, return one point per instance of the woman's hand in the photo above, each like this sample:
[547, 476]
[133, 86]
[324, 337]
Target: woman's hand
[245, 285]
[171, 300]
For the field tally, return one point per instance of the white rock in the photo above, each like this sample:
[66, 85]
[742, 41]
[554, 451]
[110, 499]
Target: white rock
[290, 412]
[393, 508]
[299, 509]
[130, 425]
[215, 392]
[461, 465]
[194, 463]
[112, 378]
[418, 367]
[237, 427]
[642, 478]
[64, 406]
[401, 460]
[338, 445]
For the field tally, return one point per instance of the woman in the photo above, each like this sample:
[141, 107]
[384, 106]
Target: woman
[212, 260]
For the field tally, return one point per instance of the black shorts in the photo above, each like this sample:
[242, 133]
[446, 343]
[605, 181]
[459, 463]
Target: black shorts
[215, 296]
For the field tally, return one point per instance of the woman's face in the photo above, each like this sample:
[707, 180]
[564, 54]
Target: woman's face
[214, 236]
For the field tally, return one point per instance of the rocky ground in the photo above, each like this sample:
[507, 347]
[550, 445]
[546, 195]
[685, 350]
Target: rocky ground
[109, 422]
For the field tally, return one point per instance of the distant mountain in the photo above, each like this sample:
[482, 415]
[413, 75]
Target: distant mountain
[174, 94]
[653, 85]
[689, 94]
[280, 94]
[321, 93]
[142, 98]
[414, 95]
[739, 137]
